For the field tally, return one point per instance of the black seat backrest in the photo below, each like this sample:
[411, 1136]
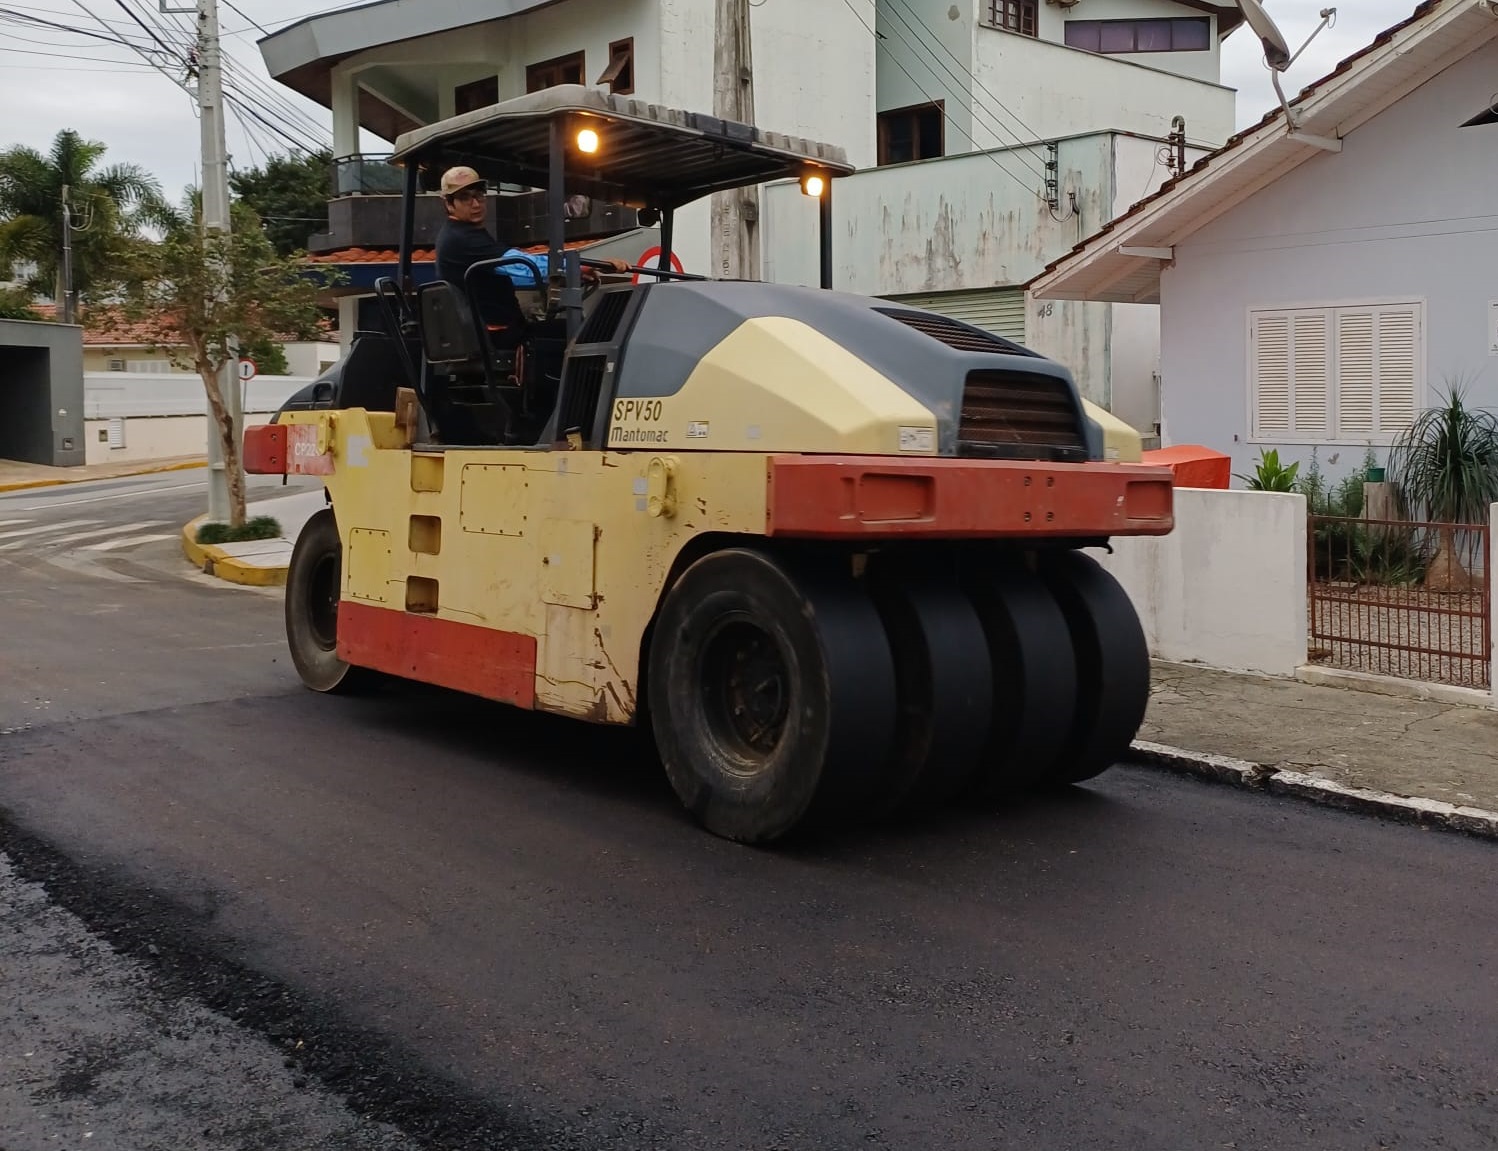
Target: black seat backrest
[449, 336]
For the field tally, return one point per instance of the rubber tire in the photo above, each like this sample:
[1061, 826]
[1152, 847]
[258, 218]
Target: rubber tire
[1113, 666]
[1034, 678]
[840, 694]
[316, 662]
[944, 681]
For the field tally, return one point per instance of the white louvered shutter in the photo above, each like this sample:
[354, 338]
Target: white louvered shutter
[1399, 368]
[1271, 375]
[1310, 372]
[1357, 374]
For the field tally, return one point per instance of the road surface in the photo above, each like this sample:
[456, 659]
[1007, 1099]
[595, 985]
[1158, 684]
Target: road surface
[439, 920]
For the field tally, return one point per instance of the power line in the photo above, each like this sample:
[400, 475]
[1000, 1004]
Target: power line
[970, 76]
[244, 15]
[857, 15]
[131, 13]
[70, 56]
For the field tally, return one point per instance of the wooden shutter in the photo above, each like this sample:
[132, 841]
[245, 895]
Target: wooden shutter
[1310, 373]
[1378, 369]
[1399, 367]
[1271, 375]
[1357, 374]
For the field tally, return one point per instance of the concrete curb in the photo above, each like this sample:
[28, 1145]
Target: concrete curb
[26, 485]
[214, 561]
[1328, 793]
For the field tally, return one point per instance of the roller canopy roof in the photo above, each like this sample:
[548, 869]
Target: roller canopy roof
[648, 155]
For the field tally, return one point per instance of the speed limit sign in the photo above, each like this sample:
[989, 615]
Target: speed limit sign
[247, 370]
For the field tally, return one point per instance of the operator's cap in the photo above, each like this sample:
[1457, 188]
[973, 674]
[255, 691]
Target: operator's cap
[456, 179]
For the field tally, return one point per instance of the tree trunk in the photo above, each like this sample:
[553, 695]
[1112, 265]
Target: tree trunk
[1447, 572]
[232, 470]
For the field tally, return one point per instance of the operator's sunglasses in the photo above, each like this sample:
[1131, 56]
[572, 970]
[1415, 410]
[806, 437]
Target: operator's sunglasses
[475, 193]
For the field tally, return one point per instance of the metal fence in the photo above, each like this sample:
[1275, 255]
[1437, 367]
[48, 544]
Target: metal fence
[1404, 599]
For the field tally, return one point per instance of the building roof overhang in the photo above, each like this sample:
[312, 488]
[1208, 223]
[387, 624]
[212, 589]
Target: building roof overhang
[1122, 262]
[302, 55]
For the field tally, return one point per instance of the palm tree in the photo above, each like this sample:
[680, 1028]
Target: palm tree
[114, 202]
[1445, 467]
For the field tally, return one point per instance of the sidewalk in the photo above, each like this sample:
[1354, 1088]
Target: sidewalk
[17, 476]
[256, 563]
[1419, 760]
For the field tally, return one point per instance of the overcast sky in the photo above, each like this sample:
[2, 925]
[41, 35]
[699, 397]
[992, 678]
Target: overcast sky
[107, 93]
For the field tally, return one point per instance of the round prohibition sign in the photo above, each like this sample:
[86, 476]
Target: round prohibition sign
[247, 370]
[652, 254]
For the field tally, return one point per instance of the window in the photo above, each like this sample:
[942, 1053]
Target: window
[916, 133]
[1350, 374]
[1188, 34]
[550, 73]
[479, 94]
[116, 365]
[1014, 15]
[620, 74]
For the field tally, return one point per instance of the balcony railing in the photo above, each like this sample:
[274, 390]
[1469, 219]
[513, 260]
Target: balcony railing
[366, 176]
[375, 175]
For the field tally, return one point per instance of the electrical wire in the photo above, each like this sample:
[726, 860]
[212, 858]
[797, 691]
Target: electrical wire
[245, 16]
[971, 78]
[968, 136]
[71, 56]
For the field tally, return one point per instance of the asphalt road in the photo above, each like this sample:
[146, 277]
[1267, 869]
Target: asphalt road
[491, 929]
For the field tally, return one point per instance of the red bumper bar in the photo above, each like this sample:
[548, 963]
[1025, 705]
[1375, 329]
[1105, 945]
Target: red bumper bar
[285, 449]
[853, 497]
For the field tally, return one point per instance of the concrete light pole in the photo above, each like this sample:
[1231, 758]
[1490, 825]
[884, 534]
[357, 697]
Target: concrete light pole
[215, 220]
[735, 214]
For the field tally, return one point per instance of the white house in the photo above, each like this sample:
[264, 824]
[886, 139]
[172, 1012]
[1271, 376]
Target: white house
[993, 134]
[1320, 282]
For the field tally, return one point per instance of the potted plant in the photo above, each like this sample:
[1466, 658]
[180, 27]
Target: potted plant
[1445, 467]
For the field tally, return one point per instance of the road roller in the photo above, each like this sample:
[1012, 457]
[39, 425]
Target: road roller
[830, 553]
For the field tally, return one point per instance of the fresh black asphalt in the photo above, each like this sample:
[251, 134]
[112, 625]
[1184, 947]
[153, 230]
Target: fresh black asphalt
[490, 929]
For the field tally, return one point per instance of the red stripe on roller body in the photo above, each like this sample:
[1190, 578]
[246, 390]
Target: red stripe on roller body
[498, 665]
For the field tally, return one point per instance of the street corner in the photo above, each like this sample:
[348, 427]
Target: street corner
[253, 563]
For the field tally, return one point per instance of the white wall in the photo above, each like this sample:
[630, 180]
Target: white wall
[128, 394]
[1055, 90]
[969, 221]
[1227, 588]
[1405, 210]
[162, 416]
[153, 438]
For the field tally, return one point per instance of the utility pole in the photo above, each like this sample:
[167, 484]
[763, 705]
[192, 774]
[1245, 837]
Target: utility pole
[68, 311]
[735, 214]
[215, 221]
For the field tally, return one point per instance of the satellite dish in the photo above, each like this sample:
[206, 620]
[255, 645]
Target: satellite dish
[1276, 51]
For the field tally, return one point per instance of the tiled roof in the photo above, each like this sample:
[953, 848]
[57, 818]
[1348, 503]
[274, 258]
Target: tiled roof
[1253, 135]
[418, 255]
[371, 256]
[106, 328]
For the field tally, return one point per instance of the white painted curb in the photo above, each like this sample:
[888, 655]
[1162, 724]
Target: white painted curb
[1261, 777]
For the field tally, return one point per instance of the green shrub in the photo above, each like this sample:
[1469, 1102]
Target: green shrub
[258, 528]
[1269, 475]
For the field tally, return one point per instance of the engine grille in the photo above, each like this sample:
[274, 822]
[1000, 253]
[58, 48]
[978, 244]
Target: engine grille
[954, 333]
[604, 322]
[1006, 413]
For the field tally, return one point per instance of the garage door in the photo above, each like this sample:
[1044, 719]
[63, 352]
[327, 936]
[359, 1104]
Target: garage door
[997, 310]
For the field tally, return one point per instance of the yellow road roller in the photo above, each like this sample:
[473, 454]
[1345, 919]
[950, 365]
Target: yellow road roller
[828, 550]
